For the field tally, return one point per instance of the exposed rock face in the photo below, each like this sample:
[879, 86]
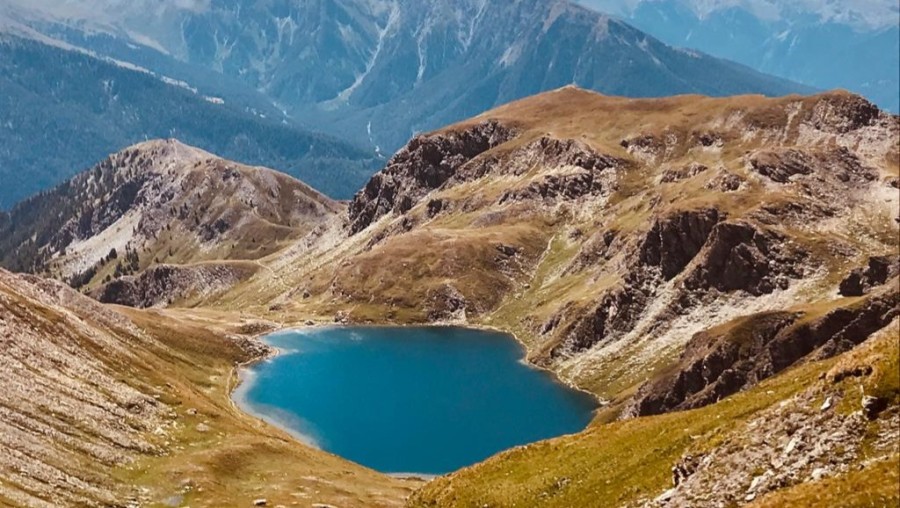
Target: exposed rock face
[723, 361]
[447, 304]
[741, 256]
[725, 182]
[842, 113]
[673, 241]
[683, 173]
[161, 285]
[421, 167]
[669, 246]
[780, 166]
[708, 369]
[725, 256]
[879, 270]
[583, 171]
[792, 443]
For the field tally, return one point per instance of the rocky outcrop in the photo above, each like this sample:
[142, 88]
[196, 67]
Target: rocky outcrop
[725, 182]
[446, 303]
[615, 313]
[742, 256]
[579, 171]
[838, 165]
[419, 168]
[683, 173]
[673, 241]
[797, 441]
[163, 285]
[842, 112]
[879, 270]
[722, 361]
[780, 165]
[708, 367]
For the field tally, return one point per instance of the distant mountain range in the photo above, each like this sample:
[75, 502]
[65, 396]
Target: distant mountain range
[851, 44]
[372, 72]
[62, 110]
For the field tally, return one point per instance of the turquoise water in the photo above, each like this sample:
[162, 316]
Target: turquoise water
[410, 400]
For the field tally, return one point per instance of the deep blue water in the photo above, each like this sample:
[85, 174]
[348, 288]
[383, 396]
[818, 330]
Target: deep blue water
[410, 400]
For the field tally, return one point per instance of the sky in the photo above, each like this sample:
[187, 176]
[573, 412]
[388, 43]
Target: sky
[875, 13]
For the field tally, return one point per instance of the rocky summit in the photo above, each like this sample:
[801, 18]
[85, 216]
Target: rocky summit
[721, 273]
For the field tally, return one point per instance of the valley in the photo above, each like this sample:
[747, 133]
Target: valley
[715, 270]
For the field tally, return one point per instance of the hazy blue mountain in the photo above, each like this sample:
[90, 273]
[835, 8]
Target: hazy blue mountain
[848, 44]
[62, 110]
[398, 67]
[378, 71]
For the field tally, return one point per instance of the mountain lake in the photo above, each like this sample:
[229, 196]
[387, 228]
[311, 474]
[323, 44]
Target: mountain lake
[409, 400]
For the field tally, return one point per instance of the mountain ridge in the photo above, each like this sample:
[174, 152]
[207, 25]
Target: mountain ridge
[157, 202]
[65, 109]
[830, 45]
[385, 59]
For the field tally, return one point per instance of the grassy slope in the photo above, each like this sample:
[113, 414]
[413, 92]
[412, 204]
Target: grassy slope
[92, 368]
[628, 462]
[240, 458]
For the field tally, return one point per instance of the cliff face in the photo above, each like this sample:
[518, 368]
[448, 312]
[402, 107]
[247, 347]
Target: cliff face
[723, 361]
[424, 165]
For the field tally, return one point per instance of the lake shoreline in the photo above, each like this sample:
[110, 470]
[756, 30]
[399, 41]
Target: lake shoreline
[448, 324]
[243, 379]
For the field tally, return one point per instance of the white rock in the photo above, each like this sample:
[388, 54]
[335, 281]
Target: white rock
[665, 496]
[791, 446]
[827, 404]
[819, 473]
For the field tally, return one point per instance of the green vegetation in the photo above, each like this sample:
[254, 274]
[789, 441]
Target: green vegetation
[65, 110]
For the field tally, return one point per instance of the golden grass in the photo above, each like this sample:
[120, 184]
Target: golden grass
[239, 458]
[875, 486]
[625, 463]
[614, 464]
